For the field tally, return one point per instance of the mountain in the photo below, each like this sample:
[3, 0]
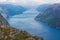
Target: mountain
[42, 7]
[51, 15]
[9, 33]
[11, 9]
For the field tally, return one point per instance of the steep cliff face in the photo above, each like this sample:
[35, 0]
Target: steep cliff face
[3, 22]
[51, 15]
[9, 33]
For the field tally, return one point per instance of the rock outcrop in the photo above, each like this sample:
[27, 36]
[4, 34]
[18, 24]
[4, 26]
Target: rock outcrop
[50, 16]
[9, 33]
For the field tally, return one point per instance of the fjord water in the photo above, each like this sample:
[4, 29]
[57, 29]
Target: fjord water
[26, 22]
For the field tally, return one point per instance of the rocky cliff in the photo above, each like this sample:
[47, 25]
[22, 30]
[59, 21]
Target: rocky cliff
[9, 33]
[51, 15]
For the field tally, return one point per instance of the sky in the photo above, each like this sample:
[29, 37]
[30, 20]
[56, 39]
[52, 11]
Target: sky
[29, 2]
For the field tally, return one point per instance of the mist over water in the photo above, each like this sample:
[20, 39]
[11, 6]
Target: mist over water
[26, 22]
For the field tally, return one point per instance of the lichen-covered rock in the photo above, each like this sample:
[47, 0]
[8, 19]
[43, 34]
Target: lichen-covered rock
[51, 15]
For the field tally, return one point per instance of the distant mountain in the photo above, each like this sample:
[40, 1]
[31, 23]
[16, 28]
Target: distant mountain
[12, 9]
[42, 7]
[51, 15]
[9, 33]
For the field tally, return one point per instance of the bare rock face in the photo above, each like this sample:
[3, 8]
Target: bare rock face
[50, 16]
[9, 33]
[3, 22]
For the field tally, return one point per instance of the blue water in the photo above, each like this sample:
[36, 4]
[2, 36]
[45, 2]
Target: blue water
[26, 22]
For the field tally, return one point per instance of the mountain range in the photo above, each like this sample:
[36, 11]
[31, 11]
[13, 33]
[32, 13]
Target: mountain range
[11, 9]
[43, 7]
[51, 15]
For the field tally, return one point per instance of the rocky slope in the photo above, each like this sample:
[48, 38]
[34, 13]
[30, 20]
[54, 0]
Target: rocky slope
[51, 15]
[9, 33]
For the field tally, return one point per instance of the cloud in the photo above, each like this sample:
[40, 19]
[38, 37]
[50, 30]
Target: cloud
[27, 14]
[25, 20]
[3, 0]
[12, 1]
[30, 2]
